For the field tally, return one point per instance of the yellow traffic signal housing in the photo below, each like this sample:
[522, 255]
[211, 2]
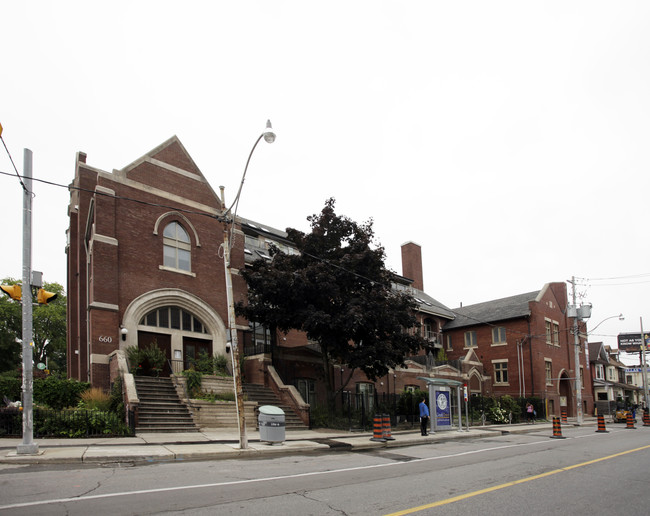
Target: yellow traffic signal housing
[44, 297]
[13, 291]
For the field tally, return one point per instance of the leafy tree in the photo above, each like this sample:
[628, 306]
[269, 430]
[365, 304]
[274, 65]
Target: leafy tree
[338, 291]
[48, 325]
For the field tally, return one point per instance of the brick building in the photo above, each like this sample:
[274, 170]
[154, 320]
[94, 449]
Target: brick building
[144, 261]
[526, 347]
[145, 265]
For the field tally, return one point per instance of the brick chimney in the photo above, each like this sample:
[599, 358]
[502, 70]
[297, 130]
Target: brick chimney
[412, 264]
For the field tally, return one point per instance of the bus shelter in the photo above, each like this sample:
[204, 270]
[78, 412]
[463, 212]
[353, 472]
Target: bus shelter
[441, 394]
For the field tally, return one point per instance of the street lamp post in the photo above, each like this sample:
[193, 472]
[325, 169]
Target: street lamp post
[228, 219]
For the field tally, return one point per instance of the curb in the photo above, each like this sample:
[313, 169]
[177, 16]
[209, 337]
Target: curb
[161, 452]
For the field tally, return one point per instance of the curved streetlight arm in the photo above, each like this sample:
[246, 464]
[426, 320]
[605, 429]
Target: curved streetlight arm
[269, 137]
[620, 318]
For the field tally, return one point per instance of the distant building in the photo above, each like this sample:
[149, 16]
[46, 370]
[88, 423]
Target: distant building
[526, 347]
[613, 386]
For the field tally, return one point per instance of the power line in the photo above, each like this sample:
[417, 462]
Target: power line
[219, 218]
[12, 162]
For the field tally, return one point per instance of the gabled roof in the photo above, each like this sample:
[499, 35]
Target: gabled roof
[429, 305]
[597, 353]
[426, 303]
[491, 311]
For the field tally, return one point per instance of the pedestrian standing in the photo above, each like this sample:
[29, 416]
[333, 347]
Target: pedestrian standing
[530, 412]
[424, 417]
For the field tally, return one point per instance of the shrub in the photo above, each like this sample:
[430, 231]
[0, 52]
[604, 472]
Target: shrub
[194, 379]
[77, 423]
[95, 399]
[10, 386]
[57, 393]
[209, 364]
[116, 404]
[215, 396]
[147, 361]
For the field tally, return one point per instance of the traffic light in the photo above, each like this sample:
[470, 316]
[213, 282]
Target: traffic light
[13, 291]
[44, 297]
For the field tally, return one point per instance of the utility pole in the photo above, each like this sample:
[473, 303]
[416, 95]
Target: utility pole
[576, 342]
[28, 446]
[644, 366]
[234, 341]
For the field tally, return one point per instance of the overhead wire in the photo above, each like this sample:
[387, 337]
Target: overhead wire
[223, 219]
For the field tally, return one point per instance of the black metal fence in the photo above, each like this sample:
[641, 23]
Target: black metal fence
[356, 410]
[69, 423]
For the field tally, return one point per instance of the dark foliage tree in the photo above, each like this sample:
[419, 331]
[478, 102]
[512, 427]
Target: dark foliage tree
[338, 291]
[48, 326]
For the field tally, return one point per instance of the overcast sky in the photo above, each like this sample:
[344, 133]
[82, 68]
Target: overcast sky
[508, 139]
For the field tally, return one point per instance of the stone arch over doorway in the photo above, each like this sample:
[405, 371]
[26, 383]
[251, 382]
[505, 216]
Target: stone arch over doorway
[565, 392]
[475, 382]
[142, 305]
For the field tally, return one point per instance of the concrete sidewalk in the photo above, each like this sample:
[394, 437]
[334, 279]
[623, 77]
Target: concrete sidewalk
[224, 444]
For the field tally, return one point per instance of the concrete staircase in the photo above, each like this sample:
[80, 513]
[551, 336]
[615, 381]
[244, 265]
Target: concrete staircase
[265, 396]
[161, 410]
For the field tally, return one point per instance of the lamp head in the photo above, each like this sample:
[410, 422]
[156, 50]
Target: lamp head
[269, 135]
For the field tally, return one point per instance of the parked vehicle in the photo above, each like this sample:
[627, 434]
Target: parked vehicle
[621, 415]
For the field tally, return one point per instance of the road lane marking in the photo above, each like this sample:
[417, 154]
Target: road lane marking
[282, 477]
[465, 496]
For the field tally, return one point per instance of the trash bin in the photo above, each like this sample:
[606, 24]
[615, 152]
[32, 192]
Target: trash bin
[271, 423]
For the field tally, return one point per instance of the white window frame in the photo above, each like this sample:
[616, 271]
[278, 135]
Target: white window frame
[548, 324]
[473, 342]
[497, 365]
[499, 336]
[556, 333]
[175, 245]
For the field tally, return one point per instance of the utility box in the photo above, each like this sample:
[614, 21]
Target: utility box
[272, 424]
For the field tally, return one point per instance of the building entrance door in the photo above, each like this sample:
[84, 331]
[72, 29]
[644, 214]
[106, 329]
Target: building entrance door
[192, 350]
[162, 341]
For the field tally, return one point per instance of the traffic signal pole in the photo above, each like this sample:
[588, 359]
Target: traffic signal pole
[28, 446]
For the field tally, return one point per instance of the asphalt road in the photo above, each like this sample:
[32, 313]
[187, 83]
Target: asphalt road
[533, 474]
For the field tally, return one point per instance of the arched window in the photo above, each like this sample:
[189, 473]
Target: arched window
[175, 318]
[176, 247]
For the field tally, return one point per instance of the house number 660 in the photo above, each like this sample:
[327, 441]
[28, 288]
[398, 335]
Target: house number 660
[104, 338]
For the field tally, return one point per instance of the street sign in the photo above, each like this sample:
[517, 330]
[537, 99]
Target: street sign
[631, 342]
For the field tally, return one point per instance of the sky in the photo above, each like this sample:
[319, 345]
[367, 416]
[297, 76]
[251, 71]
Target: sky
[509, 139]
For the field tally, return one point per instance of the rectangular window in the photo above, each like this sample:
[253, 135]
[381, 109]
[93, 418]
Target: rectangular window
[187, 321]
[556, 333]
[548, 365]
[500, 372]
[470, 339]
[449, 348]
[175, 318]
[163, 317]
[599, 372]
[582, 378]
[184, 259]
[548, 331]
[499, 335]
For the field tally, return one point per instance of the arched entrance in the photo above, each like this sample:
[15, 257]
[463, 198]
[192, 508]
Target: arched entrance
[179, 323]
[566, 394]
